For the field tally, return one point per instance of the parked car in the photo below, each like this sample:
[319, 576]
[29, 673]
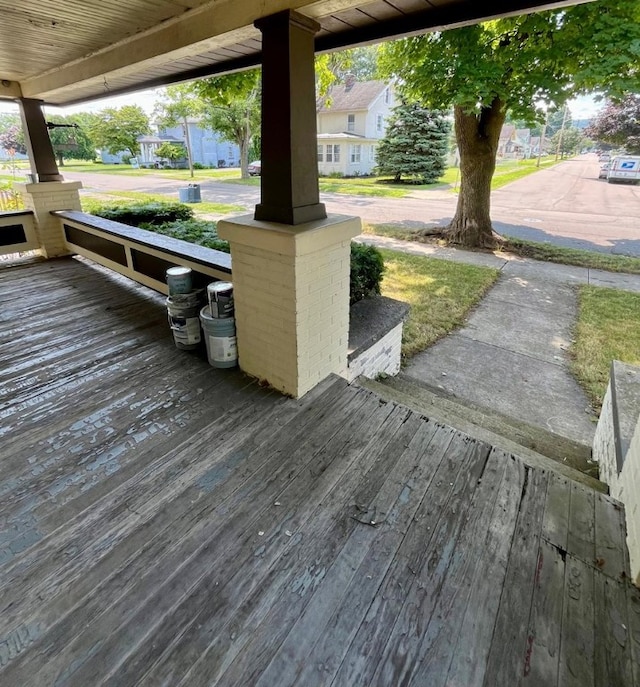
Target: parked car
[254, 169]
[604, 170]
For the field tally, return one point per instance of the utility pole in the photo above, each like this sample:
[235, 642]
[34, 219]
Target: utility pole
[543, 135]
[564, 121]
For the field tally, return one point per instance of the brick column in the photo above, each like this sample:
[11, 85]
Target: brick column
[291, 290]
[41, 199]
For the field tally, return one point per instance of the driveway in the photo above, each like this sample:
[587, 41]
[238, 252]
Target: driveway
[566, 205]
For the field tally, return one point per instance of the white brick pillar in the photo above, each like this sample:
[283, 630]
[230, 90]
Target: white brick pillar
[291, 291]
[41, 199]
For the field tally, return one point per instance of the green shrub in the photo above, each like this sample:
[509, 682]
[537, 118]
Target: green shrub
[136, 214]
[367, 268]
[199, 165]
[199, 231]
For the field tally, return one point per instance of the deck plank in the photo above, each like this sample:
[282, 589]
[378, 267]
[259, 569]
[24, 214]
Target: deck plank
[542, 650]
[555, 526]
[610, 536]
[576, 664]
[508, 646]
[581, 535]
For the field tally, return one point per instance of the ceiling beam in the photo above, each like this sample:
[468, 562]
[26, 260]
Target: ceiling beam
[10, 90]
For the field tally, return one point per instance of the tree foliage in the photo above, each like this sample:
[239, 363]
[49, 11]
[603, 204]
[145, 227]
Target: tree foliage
[517, 64]
[567, 141]
[13, 139]
[414, 145]
[171, 151]
[71, 141]
[118, 129]
[618, 124]
[231, 105]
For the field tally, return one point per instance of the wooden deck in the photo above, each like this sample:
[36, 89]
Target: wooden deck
[164, 523]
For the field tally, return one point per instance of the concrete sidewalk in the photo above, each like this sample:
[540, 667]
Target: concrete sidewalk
[512, 354]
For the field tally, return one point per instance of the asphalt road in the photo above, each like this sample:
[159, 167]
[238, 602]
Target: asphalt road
[565, 205]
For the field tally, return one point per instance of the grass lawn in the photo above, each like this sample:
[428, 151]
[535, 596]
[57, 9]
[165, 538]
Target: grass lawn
[127, 170]
[89, 203]
[441, 294]
[526, 249]
[608, 328]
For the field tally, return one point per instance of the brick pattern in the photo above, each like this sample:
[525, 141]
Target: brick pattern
[42, 199]
[292, 306]
[383, 358]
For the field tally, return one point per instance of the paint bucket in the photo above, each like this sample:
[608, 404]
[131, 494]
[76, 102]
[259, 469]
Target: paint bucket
[182, 311]
[220, 297]
[179, 280]
[220, 337]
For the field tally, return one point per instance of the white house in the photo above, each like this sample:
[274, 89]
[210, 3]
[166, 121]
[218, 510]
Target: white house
[351, 122]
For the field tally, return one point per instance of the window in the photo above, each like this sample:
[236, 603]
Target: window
[351, 122]
[356, 153]
[387, 96]
[372, 153]
[320, 153]
[329, 157]
[230, 153]
[379, 120]
[336, 153]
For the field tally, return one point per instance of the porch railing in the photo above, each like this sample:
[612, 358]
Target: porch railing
[139, 254]
[17, 232]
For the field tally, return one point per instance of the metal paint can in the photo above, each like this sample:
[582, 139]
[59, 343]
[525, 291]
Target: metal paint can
[220, 297]
[179, 280]
[184, 322]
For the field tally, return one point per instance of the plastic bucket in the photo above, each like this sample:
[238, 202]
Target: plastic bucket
[220, 297]
[220, 337]
[182, 312]
[179, 280]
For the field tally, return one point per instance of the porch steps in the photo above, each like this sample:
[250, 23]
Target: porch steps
[534, 445]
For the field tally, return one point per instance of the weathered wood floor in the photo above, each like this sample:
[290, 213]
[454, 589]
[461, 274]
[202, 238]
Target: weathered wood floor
[164, 523]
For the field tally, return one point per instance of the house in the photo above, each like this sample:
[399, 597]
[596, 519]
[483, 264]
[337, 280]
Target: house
[351, 122]
[208, 148]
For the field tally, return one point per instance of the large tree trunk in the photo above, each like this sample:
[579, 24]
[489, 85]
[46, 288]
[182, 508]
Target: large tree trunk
[477, 136]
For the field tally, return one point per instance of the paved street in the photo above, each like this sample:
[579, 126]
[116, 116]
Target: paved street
[566, 205]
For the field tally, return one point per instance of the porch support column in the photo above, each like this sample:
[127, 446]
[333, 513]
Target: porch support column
[290, 262]
[289, 180]
[41, 156]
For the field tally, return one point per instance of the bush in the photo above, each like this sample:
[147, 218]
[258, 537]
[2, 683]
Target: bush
[137, 214]
[199, 165]
[198, 231]
[367, 268]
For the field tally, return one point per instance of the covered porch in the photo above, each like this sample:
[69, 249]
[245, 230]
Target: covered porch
[167, 523]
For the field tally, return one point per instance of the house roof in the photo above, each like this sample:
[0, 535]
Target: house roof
[342, 135]
[58, 53]
[507, 132]
[357, 97]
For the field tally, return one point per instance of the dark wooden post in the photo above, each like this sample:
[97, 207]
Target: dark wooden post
[289, 181]
[41, 155]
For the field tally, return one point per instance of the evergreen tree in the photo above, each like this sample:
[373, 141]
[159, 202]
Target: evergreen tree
[414, 145]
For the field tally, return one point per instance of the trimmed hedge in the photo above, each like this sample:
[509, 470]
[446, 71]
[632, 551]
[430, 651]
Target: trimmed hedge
[137, 214]
[176, 220]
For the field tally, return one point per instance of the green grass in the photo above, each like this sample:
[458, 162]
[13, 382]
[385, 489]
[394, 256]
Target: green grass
[441, 294]
[545, 252]
[114, 198]
[608, 328]
[512, 170]
[572, 256]
[126, 170]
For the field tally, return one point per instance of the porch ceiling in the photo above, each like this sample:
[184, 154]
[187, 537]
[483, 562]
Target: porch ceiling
[68, 52]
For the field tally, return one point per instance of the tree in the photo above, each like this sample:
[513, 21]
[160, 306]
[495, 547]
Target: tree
[70, 141]
[231, 105]
[118, 129]
[567, 141]
[334, 67]
[414, 144]
[618, 124]
[171, 151]
[13, 139]
[513, 64]
[179, 103]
